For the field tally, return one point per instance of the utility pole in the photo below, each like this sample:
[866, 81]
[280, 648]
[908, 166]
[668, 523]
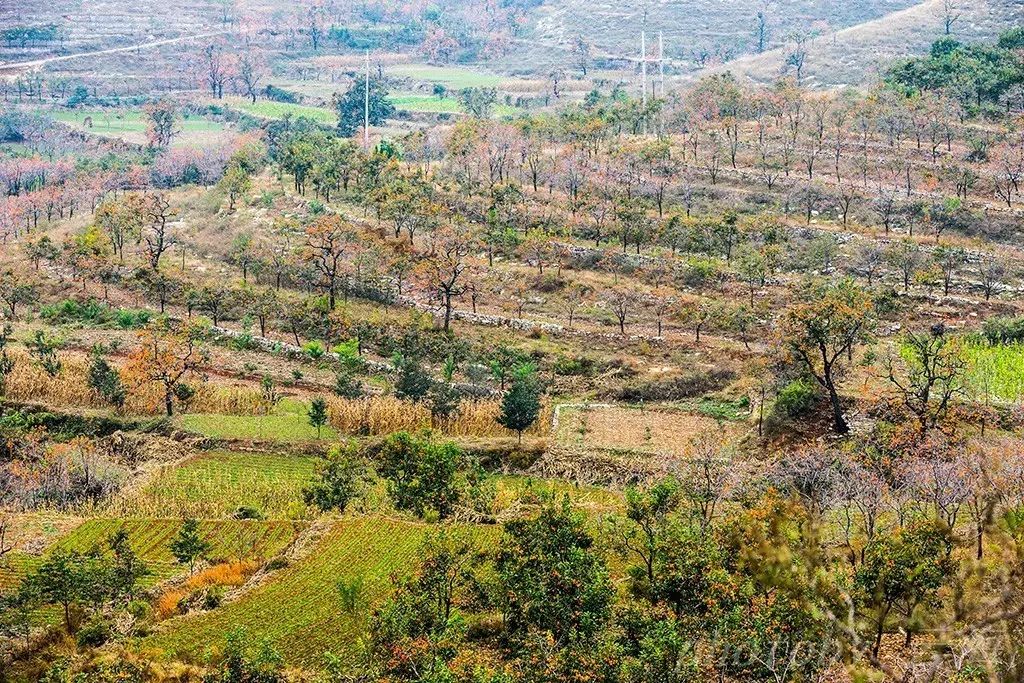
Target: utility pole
[661, 63]
[643, 66]
[661, 82]
[366, 105]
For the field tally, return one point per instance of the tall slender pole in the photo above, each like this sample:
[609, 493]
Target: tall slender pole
[366, 105]
[661, 63]
[661, 82]
[643, 66]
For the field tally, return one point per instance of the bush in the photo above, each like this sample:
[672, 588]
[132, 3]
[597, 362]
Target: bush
[93, 313]
[576, 365]
[276, 94]
[1003, 330]
[549, 282]
[795, 399]
[94, 633]
[676, 388]
[314, 349]
[279, 562]
[245, 512]
[212, 597]
[346, 385]
[351, 593]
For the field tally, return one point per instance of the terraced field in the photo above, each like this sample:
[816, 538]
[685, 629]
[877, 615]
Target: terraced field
[150, 539]
[278, 110]
[218, 483]
[297, 611]
[452, 77]
[997, 371]
[288, 426]
[130, 126]
[442, 105]
[638, 430]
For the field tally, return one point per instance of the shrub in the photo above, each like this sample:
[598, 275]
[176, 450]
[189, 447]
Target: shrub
[212, 597]
[351, 593]
[421, 474]
[576, 365]
[340, 479]
[675, 388]
[94, 633]
[275, 563]
[346, 385]
[314, 349]
[795, 399]
[245, 512]
[1003, 330]
[276, 94]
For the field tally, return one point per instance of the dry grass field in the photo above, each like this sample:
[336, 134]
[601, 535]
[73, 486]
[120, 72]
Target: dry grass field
[650, 431]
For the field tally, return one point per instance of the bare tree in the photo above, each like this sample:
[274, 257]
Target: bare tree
[156, 235]
[215, 65]
[620, 300]
[993, 272]
[251, 70]
[327, 241]
[927, 374]
[444, 266]
[706, 477]
[951, 14]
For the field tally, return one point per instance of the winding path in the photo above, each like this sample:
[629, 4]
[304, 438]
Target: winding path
[14, 67]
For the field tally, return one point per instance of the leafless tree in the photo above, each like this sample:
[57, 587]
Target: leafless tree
[706, 477]
[951, 14]
[215, 68]
[156, 234]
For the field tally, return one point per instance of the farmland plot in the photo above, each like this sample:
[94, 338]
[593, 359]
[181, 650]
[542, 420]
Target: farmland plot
[624, 429]
[298, 611]
[217, 484]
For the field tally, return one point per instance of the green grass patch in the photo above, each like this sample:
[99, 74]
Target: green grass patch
[151, 538]
[218, 483]
[281, 426]
[997, 370]
[15, 566]
[114, 121]
[587, 498]
[451, 76]
[299, 611]
[130, 125]
[278, 110]
[432, 104]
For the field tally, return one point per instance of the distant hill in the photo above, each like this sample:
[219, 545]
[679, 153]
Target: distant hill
[715, 30]
[858, 53]
[852, 39]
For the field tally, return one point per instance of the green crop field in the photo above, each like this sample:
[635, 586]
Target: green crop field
[278, 110]
[587, 498]
[130, 125]
[432, 104]
[451, 76]
[281, 427]
[14, 566]
[297, 611]
[996, 370]
[150, 539]
[218, 483]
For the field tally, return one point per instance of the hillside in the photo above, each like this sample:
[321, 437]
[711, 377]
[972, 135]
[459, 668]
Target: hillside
[857, 53]
[444, 373]
[708, 29]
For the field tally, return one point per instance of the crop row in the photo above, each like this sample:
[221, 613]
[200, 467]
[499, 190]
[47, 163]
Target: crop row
[298, 612]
